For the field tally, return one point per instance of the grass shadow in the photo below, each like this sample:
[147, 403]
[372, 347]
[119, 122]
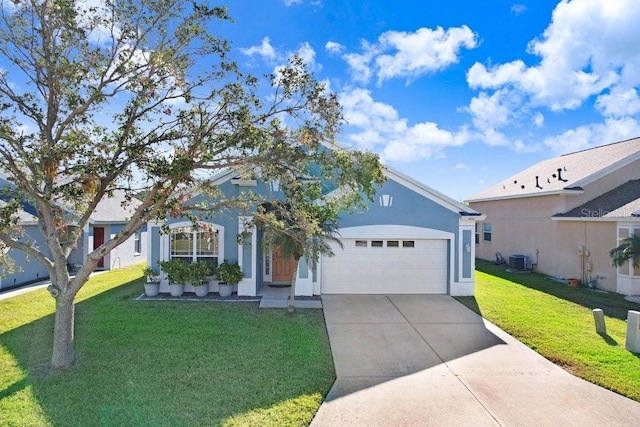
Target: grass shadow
[613, 305]
[171, 362]
[13, 388]
[608, 339]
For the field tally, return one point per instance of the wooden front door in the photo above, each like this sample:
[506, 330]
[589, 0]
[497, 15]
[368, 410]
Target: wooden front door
[282, 268]
[98, 240]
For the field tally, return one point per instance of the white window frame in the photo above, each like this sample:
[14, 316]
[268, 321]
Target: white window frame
[485, 232]
[137, 242]
[219, 230]
[627, 269]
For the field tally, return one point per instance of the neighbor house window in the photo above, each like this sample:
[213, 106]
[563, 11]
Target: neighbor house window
[191, 245]
[137, 245]
[623, 233]
[477, 233]
[393, 244]
[486, 232]
[636, 271]
[408, 244]
[361, 243]
[376, 243]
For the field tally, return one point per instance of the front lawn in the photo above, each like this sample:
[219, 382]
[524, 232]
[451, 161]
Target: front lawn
[161, 362]
[557, 322]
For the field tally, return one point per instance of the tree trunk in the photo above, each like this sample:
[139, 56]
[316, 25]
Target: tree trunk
[63, 355]
[292, 296]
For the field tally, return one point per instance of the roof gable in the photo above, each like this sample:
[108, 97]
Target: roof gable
[428, 192]
[565, 173]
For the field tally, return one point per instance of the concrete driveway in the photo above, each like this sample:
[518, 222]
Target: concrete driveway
[406, 360]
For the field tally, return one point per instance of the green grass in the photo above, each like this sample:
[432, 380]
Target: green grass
[155, 363]
[557, 322]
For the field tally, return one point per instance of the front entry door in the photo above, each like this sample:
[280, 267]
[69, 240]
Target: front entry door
[98, 240]
[282, 268]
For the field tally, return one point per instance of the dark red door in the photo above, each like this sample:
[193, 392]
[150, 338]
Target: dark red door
[98, 240]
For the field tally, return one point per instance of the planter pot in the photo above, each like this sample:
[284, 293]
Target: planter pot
[225, 289]
[202, 290]
[151, 289]
[574, 283]
[176, 290]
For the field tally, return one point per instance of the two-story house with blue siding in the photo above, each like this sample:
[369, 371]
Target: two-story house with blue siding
[411, 240]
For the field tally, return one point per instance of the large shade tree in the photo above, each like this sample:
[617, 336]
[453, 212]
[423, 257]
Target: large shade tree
[140, 96]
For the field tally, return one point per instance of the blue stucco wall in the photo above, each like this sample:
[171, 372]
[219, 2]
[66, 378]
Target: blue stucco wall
[407, 208]
[27, 269]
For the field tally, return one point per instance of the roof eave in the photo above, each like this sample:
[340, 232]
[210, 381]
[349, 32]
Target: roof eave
[563, 192]
[596, 219]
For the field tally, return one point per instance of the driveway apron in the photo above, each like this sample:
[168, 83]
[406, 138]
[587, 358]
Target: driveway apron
[408, 360]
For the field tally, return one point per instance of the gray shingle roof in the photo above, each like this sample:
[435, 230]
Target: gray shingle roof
[566, 172]
[621, 202]
[22, 215]
[110, 208]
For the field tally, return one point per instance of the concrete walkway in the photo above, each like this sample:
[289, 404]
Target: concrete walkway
[407, 360]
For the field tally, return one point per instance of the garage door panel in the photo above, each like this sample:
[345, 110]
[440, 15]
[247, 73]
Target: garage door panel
[385, 270]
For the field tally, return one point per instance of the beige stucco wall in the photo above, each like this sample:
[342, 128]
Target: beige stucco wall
[610, 181]
[525, 226]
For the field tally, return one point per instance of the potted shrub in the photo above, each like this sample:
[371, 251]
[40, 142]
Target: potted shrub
[178, 274]
[152, 286]
[229, 275]
[211, 274]
[197, 277]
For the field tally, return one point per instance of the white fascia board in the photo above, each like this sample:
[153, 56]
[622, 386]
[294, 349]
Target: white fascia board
[223, 176]
[563, 192]
[591, 219]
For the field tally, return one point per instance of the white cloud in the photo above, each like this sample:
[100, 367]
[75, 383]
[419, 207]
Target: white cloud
[308, 55]
[334, 47]
[538, 119]
[410, 55]
[421, 52]
[493, 111]
[590, 46]
[96, 19]
[264, 50]
[359, 64]
[518, 9]
[291, 2]
[592, 135]
[619, 103]
[460, 166]
[378, 126]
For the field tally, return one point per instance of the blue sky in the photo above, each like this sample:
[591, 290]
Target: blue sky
[459, 94]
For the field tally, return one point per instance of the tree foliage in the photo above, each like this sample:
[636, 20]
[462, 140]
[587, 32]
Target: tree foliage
[628, 250]
[140, 97]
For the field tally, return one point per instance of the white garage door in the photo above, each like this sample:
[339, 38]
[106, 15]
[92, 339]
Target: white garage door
[368, 266]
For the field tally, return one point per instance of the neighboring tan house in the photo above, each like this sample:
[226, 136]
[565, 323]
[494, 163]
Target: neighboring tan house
[565, 214]
[410, 240]
[106, 221]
